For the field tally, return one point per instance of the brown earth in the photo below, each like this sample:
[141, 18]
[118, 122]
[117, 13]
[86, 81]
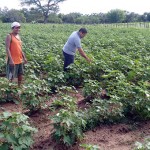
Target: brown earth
[108, 137]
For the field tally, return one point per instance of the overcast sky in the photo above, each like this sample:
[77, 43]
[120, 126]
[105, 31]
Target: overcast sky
[92, 6]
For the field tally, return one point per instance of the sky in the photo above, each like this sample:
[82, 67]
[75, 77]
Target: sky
[91, 6]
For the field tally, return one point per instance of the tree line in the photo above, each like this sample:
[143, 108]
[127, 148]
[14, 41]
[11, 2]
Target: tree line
[34, 15]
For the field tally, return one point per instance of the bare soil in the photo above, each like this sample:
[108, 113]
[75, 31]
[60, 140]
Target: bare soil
[120, 136]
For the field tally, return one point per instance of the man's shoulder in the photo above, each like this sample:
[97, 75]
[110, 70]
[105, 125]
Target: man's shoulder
[75, 35]
[8, 35]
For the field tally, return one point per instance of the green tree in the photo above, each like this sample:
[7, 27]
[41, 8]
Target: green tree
[94, 19]
[132, 17]
[103, 17]
[71, 17]
[80, 20]
[144, 17]
[13, 15]
[148, 16]
[32, 15]
[116, 16]
[1, 15]
[54, 18]
[45, 6]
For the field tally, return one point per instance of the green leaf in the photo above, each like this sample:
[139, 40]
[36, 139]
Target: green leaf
[6, 114]
[67, 139]
[1, 135]
[4, 146]
[25, 141]
[11, 138]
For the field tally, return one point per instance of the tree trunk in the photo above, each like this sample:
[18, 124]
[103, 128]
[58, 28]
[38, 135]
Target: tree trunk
[45, 18]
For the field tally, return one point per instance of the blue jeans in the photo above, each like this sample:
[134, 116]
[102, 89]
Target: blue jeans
[68, 59]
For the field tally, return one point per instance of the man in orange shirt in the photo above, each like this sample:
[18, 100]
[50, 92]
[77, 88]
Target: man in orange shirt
[16, 57]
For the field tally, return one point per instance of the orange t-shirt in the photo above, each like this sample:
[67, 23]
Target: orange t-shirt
[16, 50]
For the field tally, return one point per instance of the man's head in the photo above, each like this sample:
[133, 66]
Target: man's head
[82, 32]
[15, 27]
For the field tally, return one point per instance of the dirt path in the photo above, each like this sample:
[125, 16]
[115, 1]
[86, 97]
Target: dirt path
[119, 136]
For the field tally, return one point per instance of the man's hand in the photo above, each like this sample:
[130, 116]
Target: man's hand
[82, 53]
[11, 63]
[89, 60]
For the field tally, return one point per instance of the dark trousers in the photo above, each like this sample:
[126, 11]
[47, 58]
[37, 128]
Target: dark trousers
[68, 59]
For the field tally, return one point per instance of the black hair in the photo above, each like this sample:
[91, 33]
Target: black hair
[83, 30]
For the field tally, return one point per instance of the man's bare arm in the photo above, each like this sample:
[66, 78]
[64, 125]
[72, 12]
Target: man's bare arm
[7, 43]
[24, 57]
[83, 54]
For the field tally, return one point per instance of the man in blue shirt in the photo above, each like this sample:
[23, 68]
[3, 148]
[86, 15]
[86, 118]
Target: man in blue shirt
[74, 43]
